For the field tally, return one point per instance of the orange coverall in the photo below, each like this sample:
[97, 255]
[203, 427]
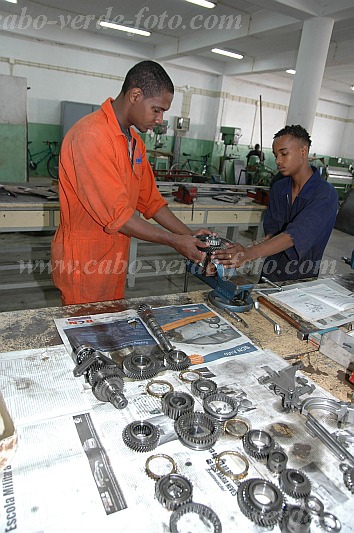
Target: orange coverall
[100, 188]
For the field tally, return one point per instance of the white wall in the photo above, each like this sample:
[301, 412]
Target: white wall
[83, 75]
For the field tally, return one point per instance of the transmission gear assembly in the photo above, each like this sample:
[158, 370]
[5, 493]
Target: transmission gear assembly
[295, 483]
[141, 436]
[202, 387]
[173, 490]
[206, 514]
[139, 367]
[220, 406]
[258, 443]
[198, 431]
[250, 496]
[175, 404]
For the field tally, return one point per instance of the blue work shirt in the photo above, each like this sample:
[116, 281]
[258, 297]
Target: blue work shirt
[309, 221]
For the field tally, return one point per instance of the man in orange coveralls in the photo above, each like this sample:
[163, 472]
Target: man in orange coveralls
[104, 177]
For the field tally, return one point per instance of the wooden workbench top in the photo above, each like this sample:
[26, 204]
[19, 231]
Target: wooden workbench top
[20, 330]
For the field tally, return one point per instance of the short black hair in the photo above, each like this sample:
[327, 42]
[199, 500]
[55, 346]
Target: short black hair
[150, 77]
[256, 146]
[296, 131]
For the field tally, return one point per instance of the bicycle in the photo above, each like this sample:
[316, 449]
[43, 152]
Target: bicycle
[186, 171]
[50, 153]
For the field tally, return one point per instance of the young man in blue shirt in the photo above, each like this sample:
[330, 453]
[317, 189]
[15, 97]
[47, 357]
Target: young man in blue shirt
[299, 219]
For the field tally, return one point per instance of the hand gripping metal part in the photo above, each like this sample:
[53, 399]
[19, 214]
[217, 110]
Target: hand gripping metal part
[284, 384]
[158, 456]
[177, 360]
[202, 387]
[329, 522]
[251, 495]
[139, 367]
[277, 461]
[258, 443]
[173, 490]
[295, 483]
[176, 403]
[198, 430]
[206, 514]
[295, 520]
[348, 476]
[220, 406]
[141, 436]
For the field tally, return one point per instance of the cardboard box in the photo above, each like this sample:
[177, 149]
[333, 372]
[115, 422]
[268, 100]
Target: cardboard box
[339, 346]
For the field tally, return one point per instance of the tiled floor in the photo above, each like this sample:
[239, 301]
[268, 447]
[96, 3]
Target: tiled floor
[15, 293]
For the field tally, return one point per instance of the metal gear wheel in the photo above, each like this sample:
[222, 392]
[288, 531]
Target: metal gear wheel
[176, 360]
[197, 431]
[176, 403]
[214, 243]
[210, 405]
[138, 366]
[250, 496]
[258, 443]
[173, 490]
[204, 513]
[141, 436]
[348, 476]
[110, 389]
[295, 483]
[295, 520]
[202, 387]
[313, 505]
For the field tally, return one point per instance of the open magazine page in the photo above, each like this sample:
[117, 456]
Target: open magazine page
[196, 329]
[74, 472]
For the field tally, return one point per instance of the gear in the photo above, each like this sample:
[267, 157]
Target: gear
[175, 404]
[249, 496]
[176, 360]
[214, 243]
[295, 483]
[277, 460]
[109, 388]
[204, 512]
[295, 520]
[348, 476]
[173, 490]
[137, 366]
[202, 387]
[226, 409]
[141, 436]
[198, 431]
[258, 443]
[155, 476]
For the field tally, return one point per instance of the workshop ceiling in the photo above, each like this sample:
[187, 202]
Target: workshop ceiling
[266, 32]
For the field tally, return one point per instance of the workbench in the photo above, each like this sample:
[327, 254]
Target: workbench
[35, 329]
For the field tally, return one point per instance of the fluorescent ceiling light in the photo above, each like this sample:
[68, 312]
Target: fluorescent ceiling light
[227, 53]
[124, 28]
[203, 3]
[11, 1]
[352, 87]
[291, 71]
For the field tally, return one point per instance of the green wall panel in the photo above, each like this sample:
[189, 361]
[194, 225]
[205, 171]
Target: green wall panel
[12, 153]
[37, 133]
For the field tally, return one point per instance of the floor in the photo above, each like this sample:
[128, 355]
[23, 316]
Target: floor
[22, 287]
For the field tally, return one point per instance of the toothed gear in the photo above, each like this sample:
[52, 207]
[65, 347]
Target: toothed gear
[139, 367]
[204, 512]
[173, 490]
[295, 520]
[348, 476]
[220, 413]
[264, 514]
[295, 483]
[202, 387]
[176, 403]
[141, 436]
[214, 243]
[107, 384]
[177, 360]
[258, 443]
[198, 430]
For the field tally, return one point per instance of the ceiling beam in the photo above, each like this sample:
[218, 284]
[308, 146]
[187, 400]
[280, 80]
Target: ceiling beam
[299, 9]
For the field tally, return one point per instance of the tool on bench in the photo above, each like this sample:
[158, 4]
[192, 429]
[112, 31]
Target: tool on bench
[275, 285]
[277, 328]
[186, 194]
[349, 260]
[230, 291]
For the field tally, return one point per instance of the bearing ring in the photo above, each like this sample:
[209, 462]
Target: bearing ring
[237, 427]
[176, 403]
[173, 490]
[176, 360]
[197, 431]
[295, 520]
[204, 512]
[152, 474]
[248, 497]
[215, 411]
[295, 483]
[139, 367]
[183, 375]
[314, 506]
[202, 387]
[226, 472]
[158, 382]
[258, 443]
[141, 436]
[277, 461]
[329, 522]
